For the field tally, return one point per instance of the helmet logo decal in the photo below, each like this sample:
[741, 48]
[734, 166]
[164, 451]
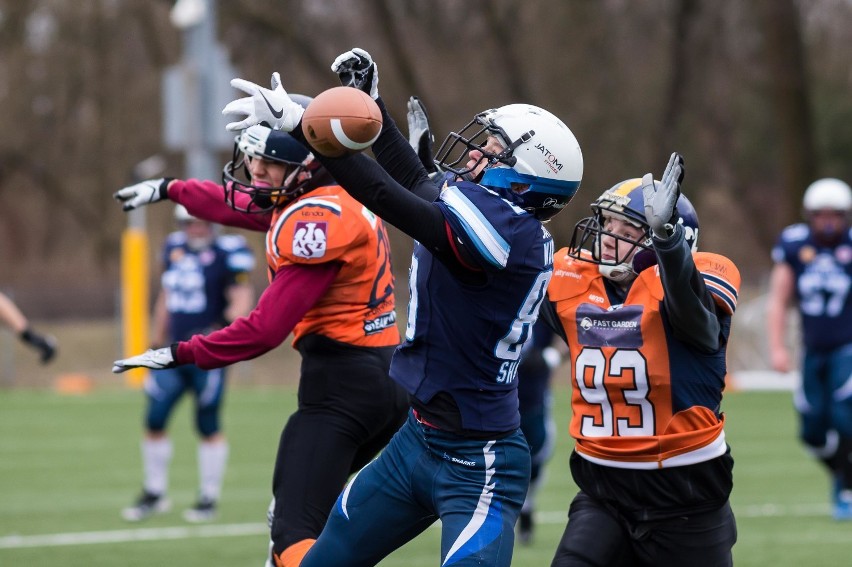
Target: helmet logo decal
[549, 157]
[310, 239]
[550, 202]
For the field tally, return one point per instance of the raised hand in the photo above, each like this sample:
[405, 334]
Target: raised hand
[272, 108]
[143, 193]
[156, 359]
[419, 134]
[661, 197]
[356, 68]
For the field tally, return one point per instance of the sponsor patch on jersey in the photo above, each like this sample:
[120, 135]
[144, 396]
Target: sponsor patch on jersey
[619, 328]
[310, 239]
[380, 323]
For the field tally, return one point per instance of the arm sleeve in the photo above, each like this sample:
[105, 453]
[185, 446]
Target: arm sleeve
[292, 293]
[206, 200]
[689, 305]
[412, 209]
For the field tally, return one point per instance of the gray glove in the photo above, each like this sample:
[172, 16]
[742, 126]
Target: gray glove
[356, 68]
[144, 193]
[419, 134]
[157, 359]
[661, 198]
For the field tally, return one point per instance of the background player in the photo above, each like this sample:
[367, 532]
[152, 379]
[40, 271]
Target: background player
[813, 267]
[17, 322]
[204, 286]
[646, 319]
[481, 263]
[331, 284]
[538, 361]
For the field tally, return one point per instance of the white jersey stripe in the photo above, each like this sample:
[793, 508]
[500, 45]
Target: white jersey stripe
[485, 238]
[482, 507]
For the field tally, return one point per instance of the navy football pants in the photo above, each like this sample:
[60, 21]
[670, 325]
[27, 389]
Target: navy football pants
[475, 487]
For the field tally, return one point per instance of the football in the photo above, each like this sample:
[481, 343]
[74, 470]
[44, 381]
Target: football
[341, 121]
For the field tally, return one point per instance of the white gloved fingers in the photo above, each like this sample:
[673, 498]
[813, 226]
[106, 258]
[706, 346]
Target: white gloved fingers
[139, 194]
[246, 86]
[155, 359]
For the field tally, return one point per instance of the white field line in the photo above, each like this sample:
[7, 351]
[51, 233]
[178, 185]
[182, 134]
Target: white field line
[230, 530]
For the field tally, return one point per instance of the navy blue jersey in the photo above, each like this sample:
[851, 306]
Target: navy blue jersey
[195, 281]
[823, 281]
[466, 339]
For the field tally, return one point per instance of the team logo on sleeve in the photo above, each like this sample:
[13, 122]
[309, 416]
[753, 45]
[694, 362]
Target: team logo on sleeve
[310, 239]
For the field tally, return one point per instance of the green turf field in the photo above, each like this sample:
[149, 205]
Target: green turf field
[69, 464]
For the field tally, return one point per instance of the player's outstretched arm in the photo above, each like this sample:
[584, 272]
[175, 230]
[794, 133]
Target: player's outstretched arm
[689, 305]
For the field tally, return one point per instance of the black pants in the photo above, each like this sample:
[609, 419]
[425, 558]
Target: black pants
[597, 534]
[348, 410]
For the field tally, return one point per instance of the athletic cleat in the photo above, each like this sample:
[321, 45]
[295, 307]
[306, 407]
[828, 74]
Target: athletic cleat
[843, 506]
[203, 511]
[147, 505]
[525, 528]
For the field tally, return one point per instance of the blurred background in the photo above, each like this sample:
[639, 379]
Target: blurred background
[97, 94]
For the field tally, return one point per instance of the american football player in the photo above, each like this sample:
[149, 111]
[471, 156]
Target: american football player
[331, 285]
[813, 268]
[646, 318]
[205, 284]
[481, 264]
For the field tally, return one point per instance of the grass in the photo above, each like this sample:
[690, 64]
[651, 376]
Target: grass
[68, 464]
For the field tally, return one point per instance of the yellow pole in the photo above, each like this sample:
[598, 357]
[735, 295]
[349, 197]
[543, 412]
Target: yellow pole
[134, 298]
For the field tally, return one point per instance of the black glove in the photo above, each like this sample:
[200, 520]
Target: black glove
[355, 68]
[45, 344]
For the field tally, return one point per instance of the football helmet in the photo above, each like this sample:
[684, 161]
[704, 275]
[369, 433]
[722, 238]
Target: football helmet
[541, 164]
[828, 193]
[259, 141]
[625, 201]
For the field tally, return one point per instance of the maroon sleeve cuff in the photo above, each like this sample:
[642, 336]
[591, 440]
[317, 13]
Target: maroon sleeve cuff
[292, 293]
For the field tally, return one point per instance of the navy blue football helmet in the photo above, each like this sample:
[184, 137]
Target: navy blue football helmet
[262, 142]
[624, 200]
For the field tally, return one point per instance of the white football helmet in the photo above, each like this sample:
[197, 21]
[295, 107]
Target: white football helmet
[540, 152]
[828, 193]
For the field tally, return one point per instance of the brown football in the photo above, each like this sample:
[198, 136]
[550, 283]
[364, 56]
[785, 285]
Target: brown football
[340, 121]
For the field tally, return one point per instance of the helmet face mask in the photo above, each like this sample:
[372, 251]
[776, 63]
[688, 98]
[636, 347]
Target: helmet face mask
[626, 203]
[260, 142]
[540, 163]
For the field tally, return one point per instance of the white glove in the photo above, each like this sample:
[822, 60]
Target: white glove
[356, 68]
[661, 202]
[157, 359]
[272, 108]
[144, 193]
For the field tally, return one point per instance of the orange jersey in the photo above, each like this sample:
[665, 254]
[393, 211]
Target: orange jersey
[327, 225]
[641, 398]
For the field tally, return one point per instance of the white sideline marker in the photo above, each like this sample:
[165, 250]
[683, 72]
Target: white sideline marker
[231, 530]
